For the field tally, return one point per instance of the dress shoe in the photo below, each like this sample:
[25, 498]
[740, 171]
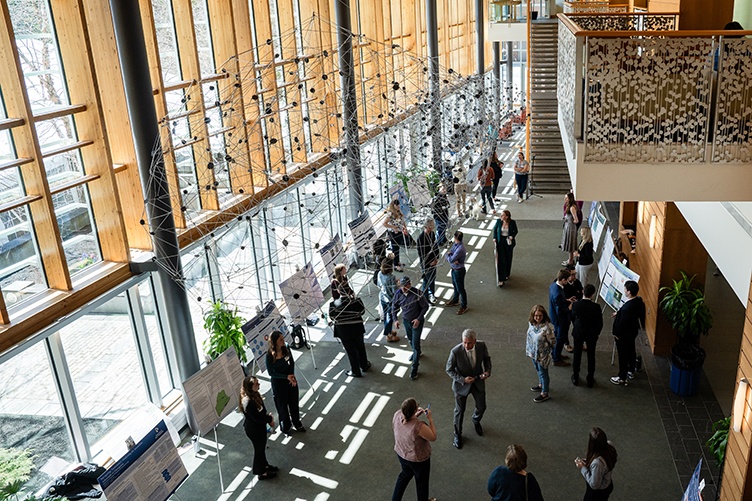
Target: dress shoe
[575, 380]
[457, 441]
[267, 475]
[300, 428]
[352, 374]
[272, 468]
[462, 310]
[451, 303]
[368, 366]
[562, 363]
[478, 428]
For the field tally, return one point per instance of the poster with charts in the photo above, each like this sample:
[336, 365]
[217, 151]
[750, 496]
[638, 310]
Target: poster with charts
[612, 286]
[332, 254]
[212, 392]
[397, 192]
[420, 195]
[151, 471]
[258, 329]
[363, 234]
[606, 253]
[591, 214]
[302, 294]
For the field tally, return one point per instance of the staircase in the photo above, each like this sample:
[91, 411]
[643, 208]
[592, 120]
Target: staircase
[549, 164]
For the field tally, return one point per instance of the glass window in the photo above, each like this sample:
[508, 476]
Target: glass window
[20, 267]
[166, 41]
[32, 417]
[156, 340]
[38, 53]
[63, 168]
[77, 230]
[203, 37]
[100, 348]
[241, 276]
[198, 286]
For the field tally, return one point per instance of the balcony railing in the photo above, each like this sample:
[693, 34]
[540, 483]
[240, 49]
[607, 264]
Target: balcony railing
[594, 7]
[633, 89]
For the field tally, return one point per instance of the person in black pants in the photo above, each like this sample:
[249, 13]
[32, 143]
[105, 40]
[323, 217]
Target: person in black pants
[281, 366]
[627, 324]
[588, 322]
[496, 165]
[347, 315]
[251, 404]
[428, 252]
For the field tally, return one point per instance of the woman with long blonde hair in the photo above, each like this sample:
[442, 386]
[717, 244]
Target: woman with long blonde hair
[584, 254]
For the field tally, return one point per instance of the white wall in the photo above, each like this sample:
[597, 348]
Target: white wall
[726, 240]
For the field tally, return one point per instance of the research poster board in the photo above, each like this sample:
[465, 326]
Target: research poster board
[302, 293]
[606, 253]
[212, 392]
[151, 471]
[591, 214]
[363, 234]
[597, 226]
[332, 254]
[258, 329]
[612, 286]
[696, 485]
[420, 195]
[397, 192]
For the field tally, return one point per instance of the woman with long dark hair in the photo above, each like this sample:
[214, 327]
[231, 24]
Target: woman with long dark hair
[598, 466]
[504, 235]
[251, 405]
[281, 366]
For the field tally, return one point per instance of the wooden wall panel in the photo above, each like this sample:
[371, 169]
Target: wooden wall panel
[676, 249]
[737, 471]
[117, 122]
[705, 14]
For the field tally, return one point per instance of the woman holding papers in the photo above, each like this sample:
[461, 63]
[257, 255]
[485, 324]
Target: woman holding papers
[256, 419]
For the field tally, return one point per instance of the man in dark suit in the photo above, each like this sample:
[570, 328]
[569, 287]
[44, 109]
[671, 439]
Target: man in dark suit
[587, 319]
[629, 319]
[469, 366]
[558, 307]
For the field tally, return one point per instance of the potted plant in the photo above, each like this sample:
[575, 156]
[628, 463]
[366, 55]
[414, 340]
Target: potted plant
[224, 326]
[689, 315]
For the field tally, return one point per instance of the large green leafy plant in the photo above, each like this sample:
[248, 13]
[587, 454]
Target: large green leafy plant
[224, 326]
[718, 441]
[686, 310]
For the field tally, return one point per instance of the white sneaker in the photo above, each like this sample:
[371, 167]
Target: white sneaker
[615, 380]
[630, 375]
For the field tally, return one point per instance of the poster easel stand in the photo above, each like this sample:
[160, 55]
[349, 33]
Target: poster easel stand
[219, 461]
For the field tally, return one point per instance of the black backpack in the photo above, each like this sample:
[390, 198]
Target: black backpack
[299, 337]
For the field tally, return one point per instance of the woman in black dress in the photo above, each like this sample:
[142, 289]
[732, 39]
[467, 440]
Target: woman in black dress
[281, 366]
[256, 419]
[505, 236]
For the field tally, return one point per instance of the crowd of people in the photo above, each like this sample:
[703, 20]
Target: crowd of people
[571, 305]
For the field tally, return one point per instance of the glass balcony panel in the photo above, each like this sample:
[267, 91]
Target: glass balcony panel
[77, 229]
[31, 414]
[20, 266]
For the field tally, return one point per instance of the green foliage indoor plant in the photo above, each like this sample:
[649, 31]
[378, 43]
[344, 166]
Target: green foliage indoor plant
[689, 315]
[224, 326]
[718, 441]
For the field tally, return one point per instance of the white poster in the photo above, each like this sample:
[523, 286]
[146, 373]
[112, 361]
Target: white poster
[258, 329]
[212, 392]
[363, 234]
[593, 208]
[332, 254]
[302, 294]
[597, 226]
[420, 195]
[151, 471]
[397, 192]
[612, 286]
[606, 253]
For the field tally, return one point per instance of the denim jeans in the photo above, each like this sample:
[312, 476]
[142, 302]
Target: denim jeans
[486, 194]
[543, 378]
[441, 225]
[413, 335]
[388, 321]
[429, 281]
[458, 281]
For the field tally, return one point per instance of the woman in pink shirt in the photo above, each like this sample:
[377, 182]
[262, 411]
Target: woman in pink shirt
[412, 443]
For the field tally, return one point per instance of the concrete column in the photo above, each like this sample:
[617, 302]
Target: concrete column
[349, 106]
[129, 36]
[510, 76]
[480, 61]
[434, 85]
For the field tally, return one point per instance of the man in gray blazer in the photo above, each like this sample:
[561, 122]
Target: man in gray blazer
[469, 366]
